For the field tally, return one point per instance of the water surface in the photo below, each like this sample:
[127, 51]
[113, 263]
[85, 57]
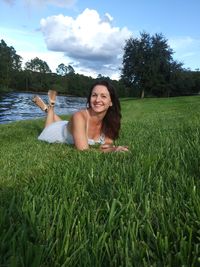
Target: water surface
[19, 106]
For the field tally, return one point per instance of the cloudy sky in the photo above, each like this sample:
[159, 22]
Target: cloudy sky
[90, 34]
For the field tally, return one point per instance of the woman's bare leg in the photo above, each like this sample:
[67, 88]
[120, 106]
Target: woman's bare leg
[51, 116]
[56, 117]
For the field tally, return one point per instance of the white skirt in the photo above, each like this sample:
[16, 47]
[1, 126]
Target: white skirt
[56, 132]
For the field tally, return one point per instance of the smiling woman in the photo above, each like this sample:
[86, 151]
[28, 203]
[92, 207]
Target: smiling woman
[99, 123]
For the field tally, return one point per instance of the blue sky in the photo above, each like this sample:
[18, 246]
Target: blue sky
[90, 34]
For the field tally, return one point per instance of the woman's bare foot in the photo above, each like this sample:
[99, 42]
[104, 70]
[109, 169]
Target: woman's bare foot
[52, 97]
[40, 103]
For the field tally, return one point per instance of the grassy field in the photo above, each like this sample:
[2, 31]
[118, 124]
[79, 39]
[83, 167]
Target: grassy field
[61, 207]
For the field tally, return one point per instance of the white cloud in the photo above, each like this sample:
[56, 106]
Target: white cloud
[107, 18]
[89, 40]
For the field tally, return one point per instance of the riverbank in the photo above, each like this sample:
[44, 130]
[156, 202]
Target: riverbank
[63, 207]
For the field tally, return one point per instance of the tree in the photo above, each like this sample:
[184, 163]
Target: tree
[71, 70]
[148, 64]
[37, 65]
[64, 70]
[36, 74]
[10, 64]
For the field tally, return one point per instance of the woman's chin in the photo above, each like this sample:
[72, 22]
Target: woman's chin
[99, 109]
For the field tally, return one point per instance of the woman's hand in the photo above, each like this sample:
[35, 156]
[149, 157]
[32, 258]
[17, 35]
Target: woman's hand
[120, 148]
[111, 148]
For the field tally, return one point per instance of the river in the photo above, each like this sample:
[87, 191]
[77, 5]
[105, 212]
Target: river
[19, 106]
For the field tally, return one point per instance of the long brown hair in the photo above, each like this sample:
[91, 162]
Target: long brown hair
[112, 120]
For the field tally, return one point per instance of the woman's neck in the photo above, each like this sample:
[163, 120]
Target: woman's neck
[96, 117]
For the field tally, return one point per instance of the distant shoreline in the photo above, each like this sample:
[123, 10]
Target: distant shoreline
[38, 93]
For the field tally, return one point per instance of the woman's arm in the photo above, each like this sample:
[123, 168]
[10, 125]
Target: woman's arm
[78, 131]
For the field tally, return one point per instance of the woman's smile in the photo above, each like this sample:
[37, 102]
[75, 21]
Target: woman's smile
[100, 98]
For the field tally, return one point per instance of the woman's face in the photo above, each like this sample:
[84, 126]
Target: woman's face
[100, 100]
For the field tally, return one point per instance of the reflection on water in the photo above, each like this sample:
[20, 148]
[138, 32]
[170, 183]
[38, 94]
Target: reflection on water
[19, 106]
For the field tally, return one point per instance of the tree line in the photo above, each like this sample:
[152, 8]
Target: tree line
[148, 69]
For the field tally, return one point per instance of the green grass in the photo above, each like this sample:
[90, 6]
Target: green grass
[62, 207]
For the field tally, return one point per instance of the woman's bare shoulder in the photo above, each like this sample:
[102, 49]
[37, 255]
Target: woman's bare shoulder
[77, 119]
[79, 115]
